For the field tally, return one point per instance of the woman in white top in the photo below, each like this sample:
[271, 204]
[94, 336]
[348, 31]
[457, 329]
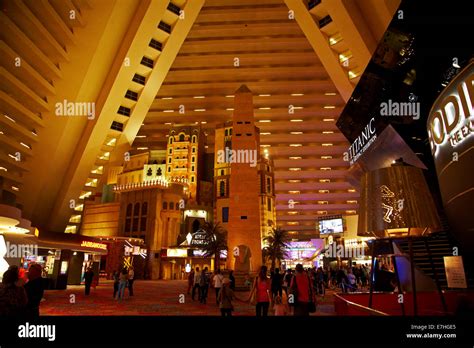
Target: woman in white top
[217, 279]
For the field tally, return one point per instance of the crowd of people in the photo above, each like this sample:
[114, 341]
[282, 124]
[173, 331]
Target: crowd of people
[21, 293]
[123, 279]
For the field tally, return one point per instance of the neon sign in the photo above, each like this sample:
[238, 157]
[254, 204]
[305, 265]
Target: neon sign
[362, 142]
[89, 244]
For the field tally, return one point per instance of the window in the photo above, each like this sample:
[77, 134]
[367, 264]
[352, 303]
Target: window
[225, 214]
[269, 185]
[192, 179]
[194, 149]
[158, 172]
[171, 205]
[145, 208]
[147, 62]
[192, 168]
[117, 126]
[194, 139]
[171, 150]
[149, 172]
[222, 188]
[230, 131]
[171, 142]
[181, 137]
[269, 204]
[136, 213]
[169, 169]
[131, 95]
[243, 217]
[165, 206]
[169, 160]
[155, 44]
[222, 172]
[226, 132]
[139, 79]
[124, 111]
[128, 218]
[144, 215]
[193, 159]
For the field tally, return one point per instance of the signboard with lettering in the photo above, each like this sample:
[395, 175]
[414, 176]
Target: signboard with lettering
[455, 272]
[362, 142]
[199, 238]
[451, 135]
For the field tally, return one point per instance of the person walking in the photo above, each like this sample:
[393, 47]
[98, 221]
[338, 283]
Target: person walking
[34, 290]
[277, 280]
[204, 285]
[131, 277]
[123, 280]
[197, 280]
[261, 290]
[302, 288]
[287, 280]
[88, 277]
[225, 298]
[217, 283]
[232, 280]
[116, 278]
[13, 298]
[190, 281]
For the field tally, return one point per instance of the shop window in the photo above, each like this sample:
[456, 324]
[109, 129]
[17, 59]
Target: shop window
[222, 188]
[165, 205]
[225, 214]
[171, 205]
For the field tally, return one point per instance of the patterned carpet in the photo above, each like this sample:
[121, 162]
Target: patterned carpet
[151, 297]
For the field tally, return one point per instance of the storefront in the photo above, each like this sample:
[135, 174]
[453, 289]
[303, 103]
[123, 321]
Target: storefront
[306, 253]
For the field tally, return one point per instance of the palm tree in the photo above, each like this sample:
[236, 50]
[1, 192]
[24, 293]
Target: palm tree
[276, 245]
[215, 241]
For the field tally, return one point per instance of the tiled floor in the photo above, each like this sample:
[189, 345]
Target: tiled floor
[151, 297]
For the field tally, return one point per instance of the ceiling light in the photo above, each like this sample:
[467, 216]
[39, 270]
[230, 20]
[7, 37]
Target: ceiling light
[141, 136]
[330, 93]
[350, 211]
[297, 107]
[334, 39]
[4, 169]
[329, 107]
[168, 123]
[295, 157]
[294, 180]
[265, 145]
[292, 213]
[166, 98]
[295, 145]
[294, 169]
[27, 146]
[325, 168]
[322, 212]
[11, 156]
[265, 108]
[456, 65]
[292, 223]
[142, 148]
[8, 117]
[328, 132]
[1, 132]
[168, 110]
[351, 190]
[323, 191]
[324, 180]
[264, 95]
[296, 192]
[327, 144]
[265, 121]
[230, 109]
[352, 74]
[203, 122]
[328, 119]
[323, 202]
[297, 94]
[34, 133]
[199, 97]
[351, 201]
[296, 133]
[229, 96]
[265, 133]
[199, 110]
[296, 120]
[326, 157]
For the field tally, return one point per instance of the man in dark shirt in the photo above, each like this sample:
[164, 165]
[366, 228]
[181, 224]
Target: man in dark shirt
[34, 290]
[88, 277]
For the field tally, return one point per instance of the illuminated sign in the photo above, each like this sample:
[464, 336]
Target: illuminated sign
[451, 119]
[63, 269]
[176, 252]
[95, 245]
[362, 142]
[3, 250]
[199, 238]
